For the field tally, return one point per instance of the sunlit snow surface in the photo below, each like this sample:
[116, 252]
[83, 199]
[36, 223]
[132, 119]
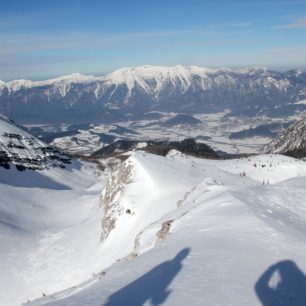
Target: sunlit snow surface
[187, 232]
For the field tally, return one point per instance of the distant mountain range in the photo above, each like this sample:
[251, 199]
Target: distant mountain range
[135, 92]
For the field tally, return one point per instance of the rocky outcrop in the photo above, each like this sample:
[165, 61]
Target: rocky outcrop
[26, 151]
[111, 196]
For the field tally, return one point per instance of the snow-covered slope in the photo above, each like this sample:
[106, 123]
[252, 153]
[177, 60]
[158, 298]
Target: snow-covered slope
[292, 139]
[186, 231]
[49, 230]
[75, 98]
[26, 151]
[266, 169]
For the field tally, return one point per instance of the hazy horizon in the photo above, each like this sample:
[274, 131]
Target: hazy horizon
[43, 78]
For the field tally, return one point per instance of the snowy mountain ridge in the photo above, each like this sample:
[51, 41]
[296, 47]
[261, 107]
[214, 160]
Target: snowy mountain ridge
[16, 85]
[136, 90]
[137, 75]
[173, 229]
[229, 225]
[131, 75]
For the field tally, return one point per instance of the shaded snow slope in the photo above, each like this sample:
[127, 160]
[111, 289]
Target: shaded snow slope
[196, 233]
[49, 230]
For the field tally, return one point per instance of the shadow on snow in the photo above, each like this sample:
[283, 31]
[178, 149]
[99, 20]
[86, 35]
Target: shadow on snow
[29, 179]
[152, 286]
[283, 284]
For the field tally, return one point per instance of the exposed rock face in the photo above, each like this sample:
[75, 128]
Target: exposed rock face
[110, 198]
[26, 151]
[164, 231]
[292, 141]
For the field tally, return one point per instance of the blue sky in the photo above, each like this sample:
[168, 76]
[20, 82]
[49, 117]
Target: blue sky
[46, 38]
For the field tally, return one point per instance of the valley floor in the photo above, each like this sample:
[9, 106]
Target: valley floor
[216, 130]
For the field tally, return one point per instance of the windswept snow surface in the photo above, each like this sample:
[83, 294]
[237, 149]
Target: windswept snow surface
[190, 231]
[268, 169]
[49, 230]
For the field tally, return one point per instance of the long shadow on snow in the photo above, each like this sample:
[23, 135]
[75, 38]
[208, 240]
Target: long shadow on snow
[151, 286]
[283, 284]
[30, 179]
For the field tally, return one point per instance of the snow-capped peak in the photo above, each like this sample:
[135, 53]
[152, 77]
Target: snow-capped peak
[18, 84]
[158, 72]
[181, 76]
[71, 78]
[132, 76]
[135, 75]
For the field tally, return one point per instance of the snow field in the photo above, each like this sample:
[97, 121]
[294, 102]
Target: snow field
[204, 235]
